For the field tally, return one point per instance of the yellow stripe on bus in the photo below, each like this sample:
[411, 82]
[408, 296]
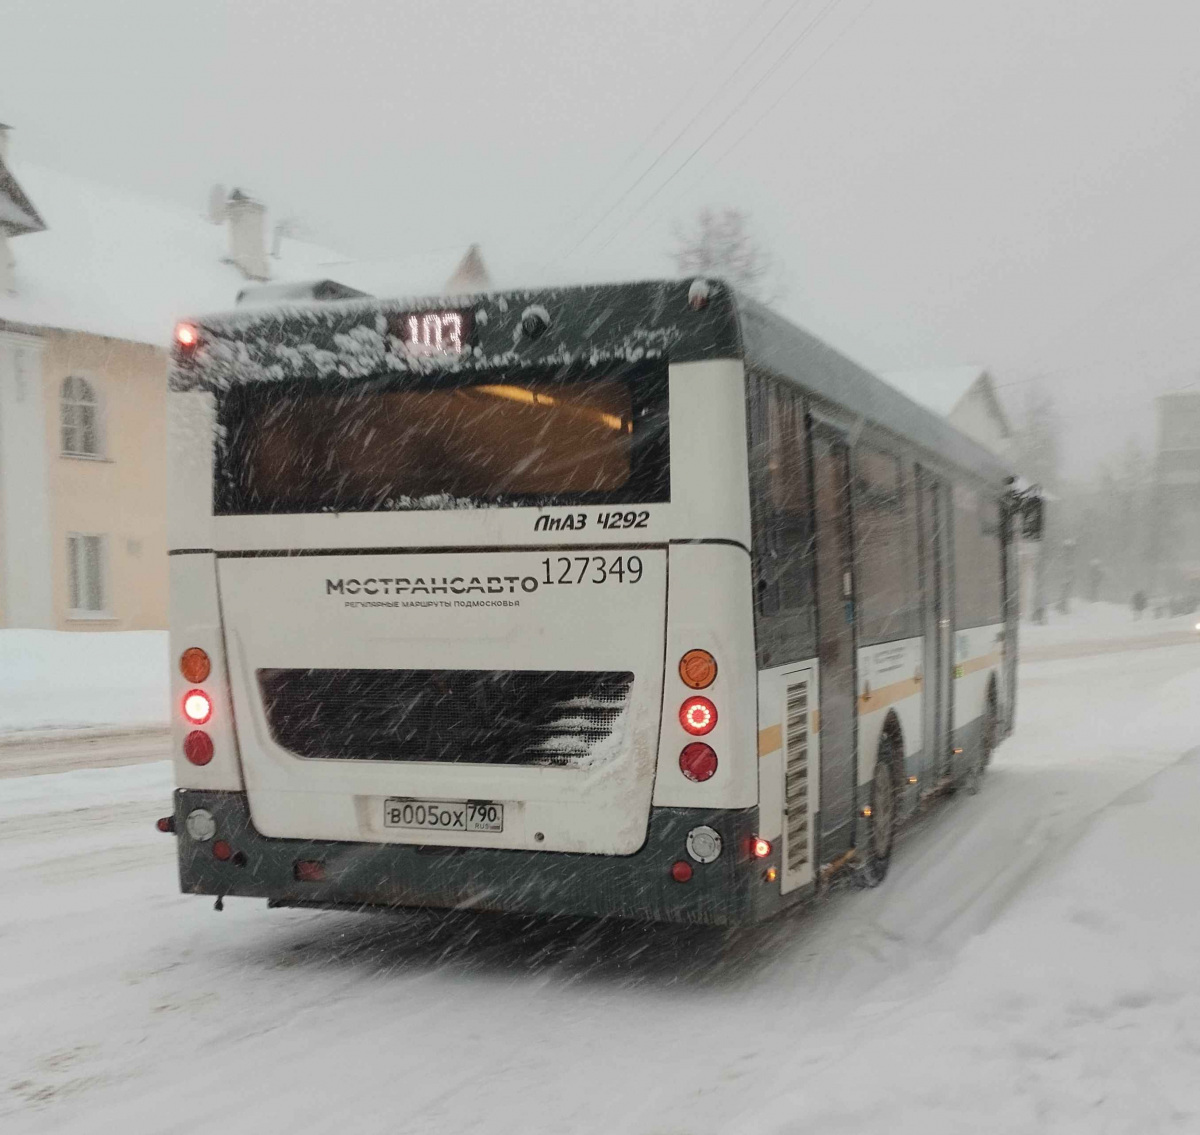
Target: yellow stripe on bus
[770, 739]
[983, 662]
[888, 695]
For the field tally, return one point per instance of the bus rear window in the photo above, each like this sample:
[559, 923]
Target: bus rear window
[388, 446]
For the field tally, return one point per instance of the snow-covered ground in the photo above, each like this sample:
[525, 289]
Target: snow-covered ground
[80, 680]
[1103, 622]
[1029, 965]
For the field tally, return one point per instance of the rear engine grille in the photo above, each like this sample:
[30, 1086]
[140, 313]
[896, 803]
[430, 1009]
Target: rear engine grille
[796, 780]
[558, 718]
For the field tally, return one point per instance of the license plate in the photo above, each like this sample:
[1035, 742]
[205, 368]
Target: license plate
[444, 815]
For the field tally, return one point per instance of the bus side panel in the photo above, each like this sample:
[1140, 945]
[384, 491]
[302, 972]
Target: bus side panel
[196, 621]
[890, 684]
[978, 658]
[710, 480]
[191, 420]
[789, 746]
[709, 608]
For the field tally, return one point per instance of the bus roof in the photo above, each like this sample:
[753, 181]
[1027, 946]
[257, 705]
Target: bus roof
[771, 342]
[583, 326]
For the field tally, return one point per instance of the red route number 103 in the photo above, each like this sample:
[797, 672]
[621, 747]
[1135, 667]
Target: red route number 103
[434, 333]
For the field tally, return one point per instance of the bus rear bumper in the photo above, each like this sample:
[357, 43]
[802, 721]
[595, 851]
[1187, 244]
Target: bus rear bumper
[731, 891]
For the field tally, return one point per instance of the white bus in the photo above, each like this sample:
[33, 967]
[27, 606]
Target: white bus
[629, 601]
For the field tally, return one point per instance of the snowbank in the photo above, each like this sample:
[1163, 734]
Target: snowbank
[76, 680]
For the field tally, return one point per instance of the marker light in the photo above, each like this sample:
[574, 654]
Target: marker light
[187, 335]
[198, 747]
[697, 761]
[308, 870]
[194, 664]
[698, 669]
[760, 847]
[698, 716]
[681, 871]
[196, 707]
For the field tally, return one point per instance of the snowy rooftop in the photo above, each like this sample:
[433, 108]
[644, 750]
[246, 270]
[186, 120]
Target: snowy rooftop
[939, 390]
[125, 265]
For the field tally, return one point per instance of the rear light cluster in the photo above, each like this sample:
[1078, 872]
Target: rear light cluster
[195, 666]
[698, 715]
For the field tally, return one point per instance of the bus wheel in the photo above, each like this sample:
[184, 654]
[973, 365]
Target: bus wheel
[877, 852]
[987, 742]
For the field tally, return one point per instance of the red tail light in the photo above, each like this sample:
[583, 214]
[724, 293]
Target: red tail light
[165, 824]
[197, 707]
[698, 762]
[187, 335]
[698, 716]
[198, 747]
[760, 847]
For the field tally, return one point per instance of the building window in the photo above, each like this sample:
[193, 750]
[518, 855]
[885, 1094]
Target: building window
[86, 574]
[80, 418]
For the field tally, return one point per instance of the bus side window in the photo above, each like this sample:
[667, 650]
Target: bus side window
[885, 522]
[978, 553]
[782, 517]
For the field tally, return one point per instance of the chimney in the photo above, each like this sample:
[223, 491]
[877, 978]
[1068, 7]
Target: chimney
[248, 235]
[4, 129]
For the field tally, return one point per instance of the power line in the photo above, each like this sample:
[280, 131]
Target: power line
[791, 86]
[829, 6]
[795, 82]
[690, 123]
[603, 190]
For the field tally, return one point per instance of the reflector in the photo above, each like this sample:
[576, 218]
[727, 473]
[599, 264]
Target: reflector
[697, 762]
[681, 871]
[198, 747]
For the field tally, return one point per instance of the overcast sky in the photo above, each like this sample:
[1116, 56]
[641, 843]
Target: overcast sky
[1010, 182]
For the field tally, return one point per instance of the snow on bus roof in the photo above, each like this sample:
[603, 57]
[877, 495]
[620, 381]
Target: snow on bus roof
[126, 265]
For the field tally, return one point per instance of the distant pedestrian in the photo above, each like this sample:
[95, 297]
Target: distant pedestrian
[1138, 603]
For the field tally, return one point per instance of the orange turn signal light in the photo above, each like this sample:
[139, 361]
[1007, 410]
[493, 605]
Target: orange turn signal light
[194, 664]
[698, 669]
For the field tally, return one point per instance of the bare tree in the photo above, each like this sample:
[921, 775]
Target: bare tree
[1039, 439]
[719, 244]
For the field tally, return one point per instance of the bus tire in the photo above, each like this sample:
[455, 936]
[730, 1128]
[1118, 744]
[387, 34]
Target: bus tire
[885, 812]
[987, 742]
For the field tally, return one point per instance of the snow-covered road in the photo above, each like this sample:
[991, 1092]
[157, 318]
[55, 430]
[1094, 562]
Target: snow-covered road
[1029, 965]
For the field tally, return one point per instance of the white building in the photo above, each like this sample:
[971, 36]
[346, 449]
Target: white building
[92, 281]
[965, 396]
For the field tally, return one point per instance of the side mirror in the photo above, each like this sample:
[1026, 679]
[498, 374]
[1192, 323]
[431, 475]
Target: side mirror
[1033, 517]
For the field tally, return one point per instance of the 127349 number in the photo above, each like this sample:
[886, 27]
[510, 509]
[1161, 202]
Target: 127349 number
[591, 569]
